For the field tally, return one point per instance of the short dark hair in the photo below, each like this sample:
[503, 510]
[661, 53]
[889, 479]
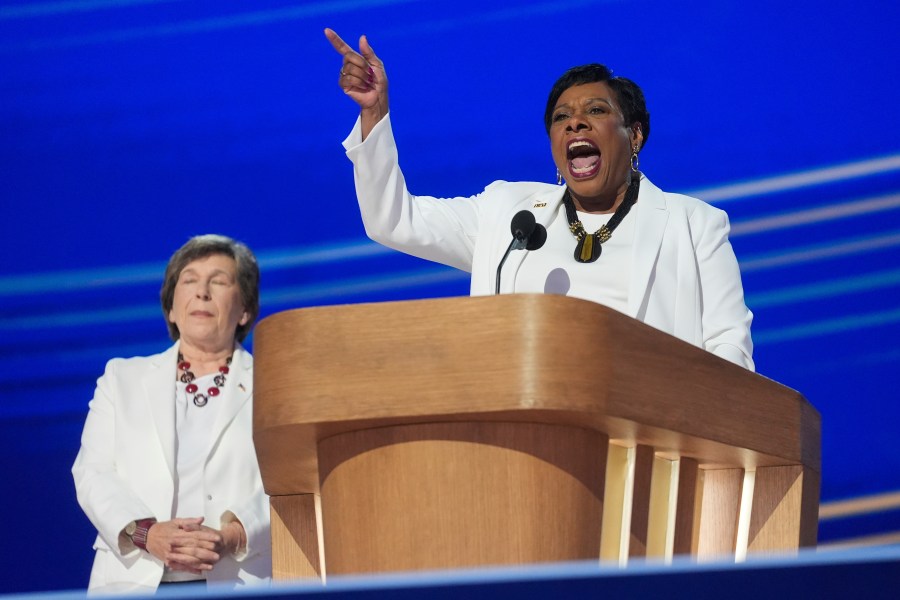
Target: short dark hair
[202, 246]
[628, 94]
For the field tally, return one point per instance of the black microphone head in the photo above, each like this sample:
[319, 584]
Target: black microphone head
[522, 225]
[537, 237]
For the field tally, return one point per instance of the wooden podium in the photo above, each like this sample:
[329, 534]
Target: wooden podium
[516, 429]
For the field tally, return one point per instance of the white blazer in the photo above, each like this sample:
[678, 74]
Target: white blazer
[685, 278]
[125, 471]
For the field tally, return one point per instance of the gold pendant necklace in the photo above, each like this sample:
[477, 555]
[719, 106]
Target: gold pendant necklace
[590, 245]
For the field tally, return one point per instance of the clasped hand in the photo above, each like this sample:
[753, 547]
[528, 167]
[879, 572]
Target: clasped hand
[188, 545]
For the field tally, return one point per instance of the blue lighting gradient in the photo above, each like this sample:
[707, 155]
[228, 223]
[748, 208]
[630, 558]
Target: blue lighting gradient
[127, 126]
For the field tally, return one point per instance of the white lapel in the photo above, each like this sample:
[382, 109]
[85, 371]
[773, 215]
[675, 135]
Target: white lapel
[651, 217]
[236, 393]
[544, 206]
[159, 393]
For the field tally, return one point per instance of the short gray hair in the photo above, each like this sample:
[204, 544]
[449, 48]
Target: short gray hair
[201, 246]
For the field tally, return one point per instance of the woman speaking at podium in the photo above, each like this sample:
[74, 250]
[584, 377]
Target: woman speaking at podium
[611, 235]
[167, 470]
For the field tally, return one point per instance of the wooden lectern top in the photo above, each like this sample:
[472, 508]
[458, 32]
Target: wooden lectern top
[520, 358]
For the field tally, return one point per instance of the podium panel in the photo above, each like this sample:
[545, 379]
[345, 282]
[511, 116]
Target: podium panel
[450, 495]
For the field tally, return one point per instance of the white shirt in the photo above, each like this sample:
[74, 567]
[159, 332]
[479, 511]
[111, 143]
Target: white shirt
[553, 269]
[193, 425]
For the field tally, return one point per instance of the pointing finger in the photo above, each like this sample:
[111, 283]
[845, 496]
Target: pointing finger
[336, 42]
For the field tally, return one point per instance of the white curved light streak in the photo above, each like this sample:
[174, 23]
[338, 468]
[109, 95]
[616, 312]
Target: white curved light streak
[816, 215]
[800, 179]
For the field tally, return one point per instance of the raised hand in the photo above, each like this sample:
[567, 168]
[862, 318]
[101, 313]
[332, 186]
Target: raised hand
[362, 78]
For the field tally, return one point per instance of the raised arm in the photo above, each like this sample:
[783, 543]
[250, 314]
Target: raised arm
[363, 79]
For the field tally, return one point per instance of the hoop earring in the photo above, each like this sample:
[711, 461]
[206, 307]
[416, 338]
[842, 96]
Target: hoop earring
[635, 161]
[559, 179]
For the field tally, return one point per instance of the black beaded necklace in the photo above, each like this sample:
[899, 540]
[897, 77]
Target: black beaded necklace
[187, 376]
[589, 245]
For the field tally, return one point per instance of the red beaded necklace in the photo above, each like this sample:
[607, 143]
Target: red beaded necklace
[188, 377]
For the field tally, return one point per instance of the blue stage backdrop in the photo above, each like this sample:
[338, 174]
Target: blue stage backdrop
[130, 125]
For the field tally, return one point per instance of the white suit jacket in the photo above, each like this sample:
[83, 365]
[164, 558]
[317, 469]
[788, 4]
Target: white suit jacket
[125, 470]
[685, 278]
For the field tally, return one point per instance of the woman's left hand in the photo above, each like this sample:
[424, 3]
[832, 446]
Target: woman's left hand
[234, 538]
[363, 79]
[229, 540]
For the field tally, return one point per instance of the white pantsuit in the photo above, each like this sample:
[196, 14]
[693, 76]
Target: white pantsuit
[684, 277]
[125, 470]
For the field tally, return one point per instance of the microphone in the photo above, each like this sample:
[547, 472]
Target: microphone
[522, 225]
[527, 235]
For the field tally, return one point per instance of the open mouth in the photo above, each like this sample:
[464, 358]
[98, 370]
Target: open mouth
[583, 157]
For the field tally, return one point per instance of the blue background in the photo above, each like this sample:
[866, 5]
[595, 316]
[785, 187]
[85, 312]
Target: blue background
[127, 126]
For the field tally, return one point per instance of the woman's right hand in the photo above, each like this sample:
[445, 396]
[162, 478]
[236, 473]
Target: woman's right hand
[363, 79]
[184, 545]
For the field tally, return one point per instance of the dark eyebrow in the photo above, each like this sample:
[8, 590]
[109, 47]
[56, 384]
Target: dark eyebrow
[593, 100]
